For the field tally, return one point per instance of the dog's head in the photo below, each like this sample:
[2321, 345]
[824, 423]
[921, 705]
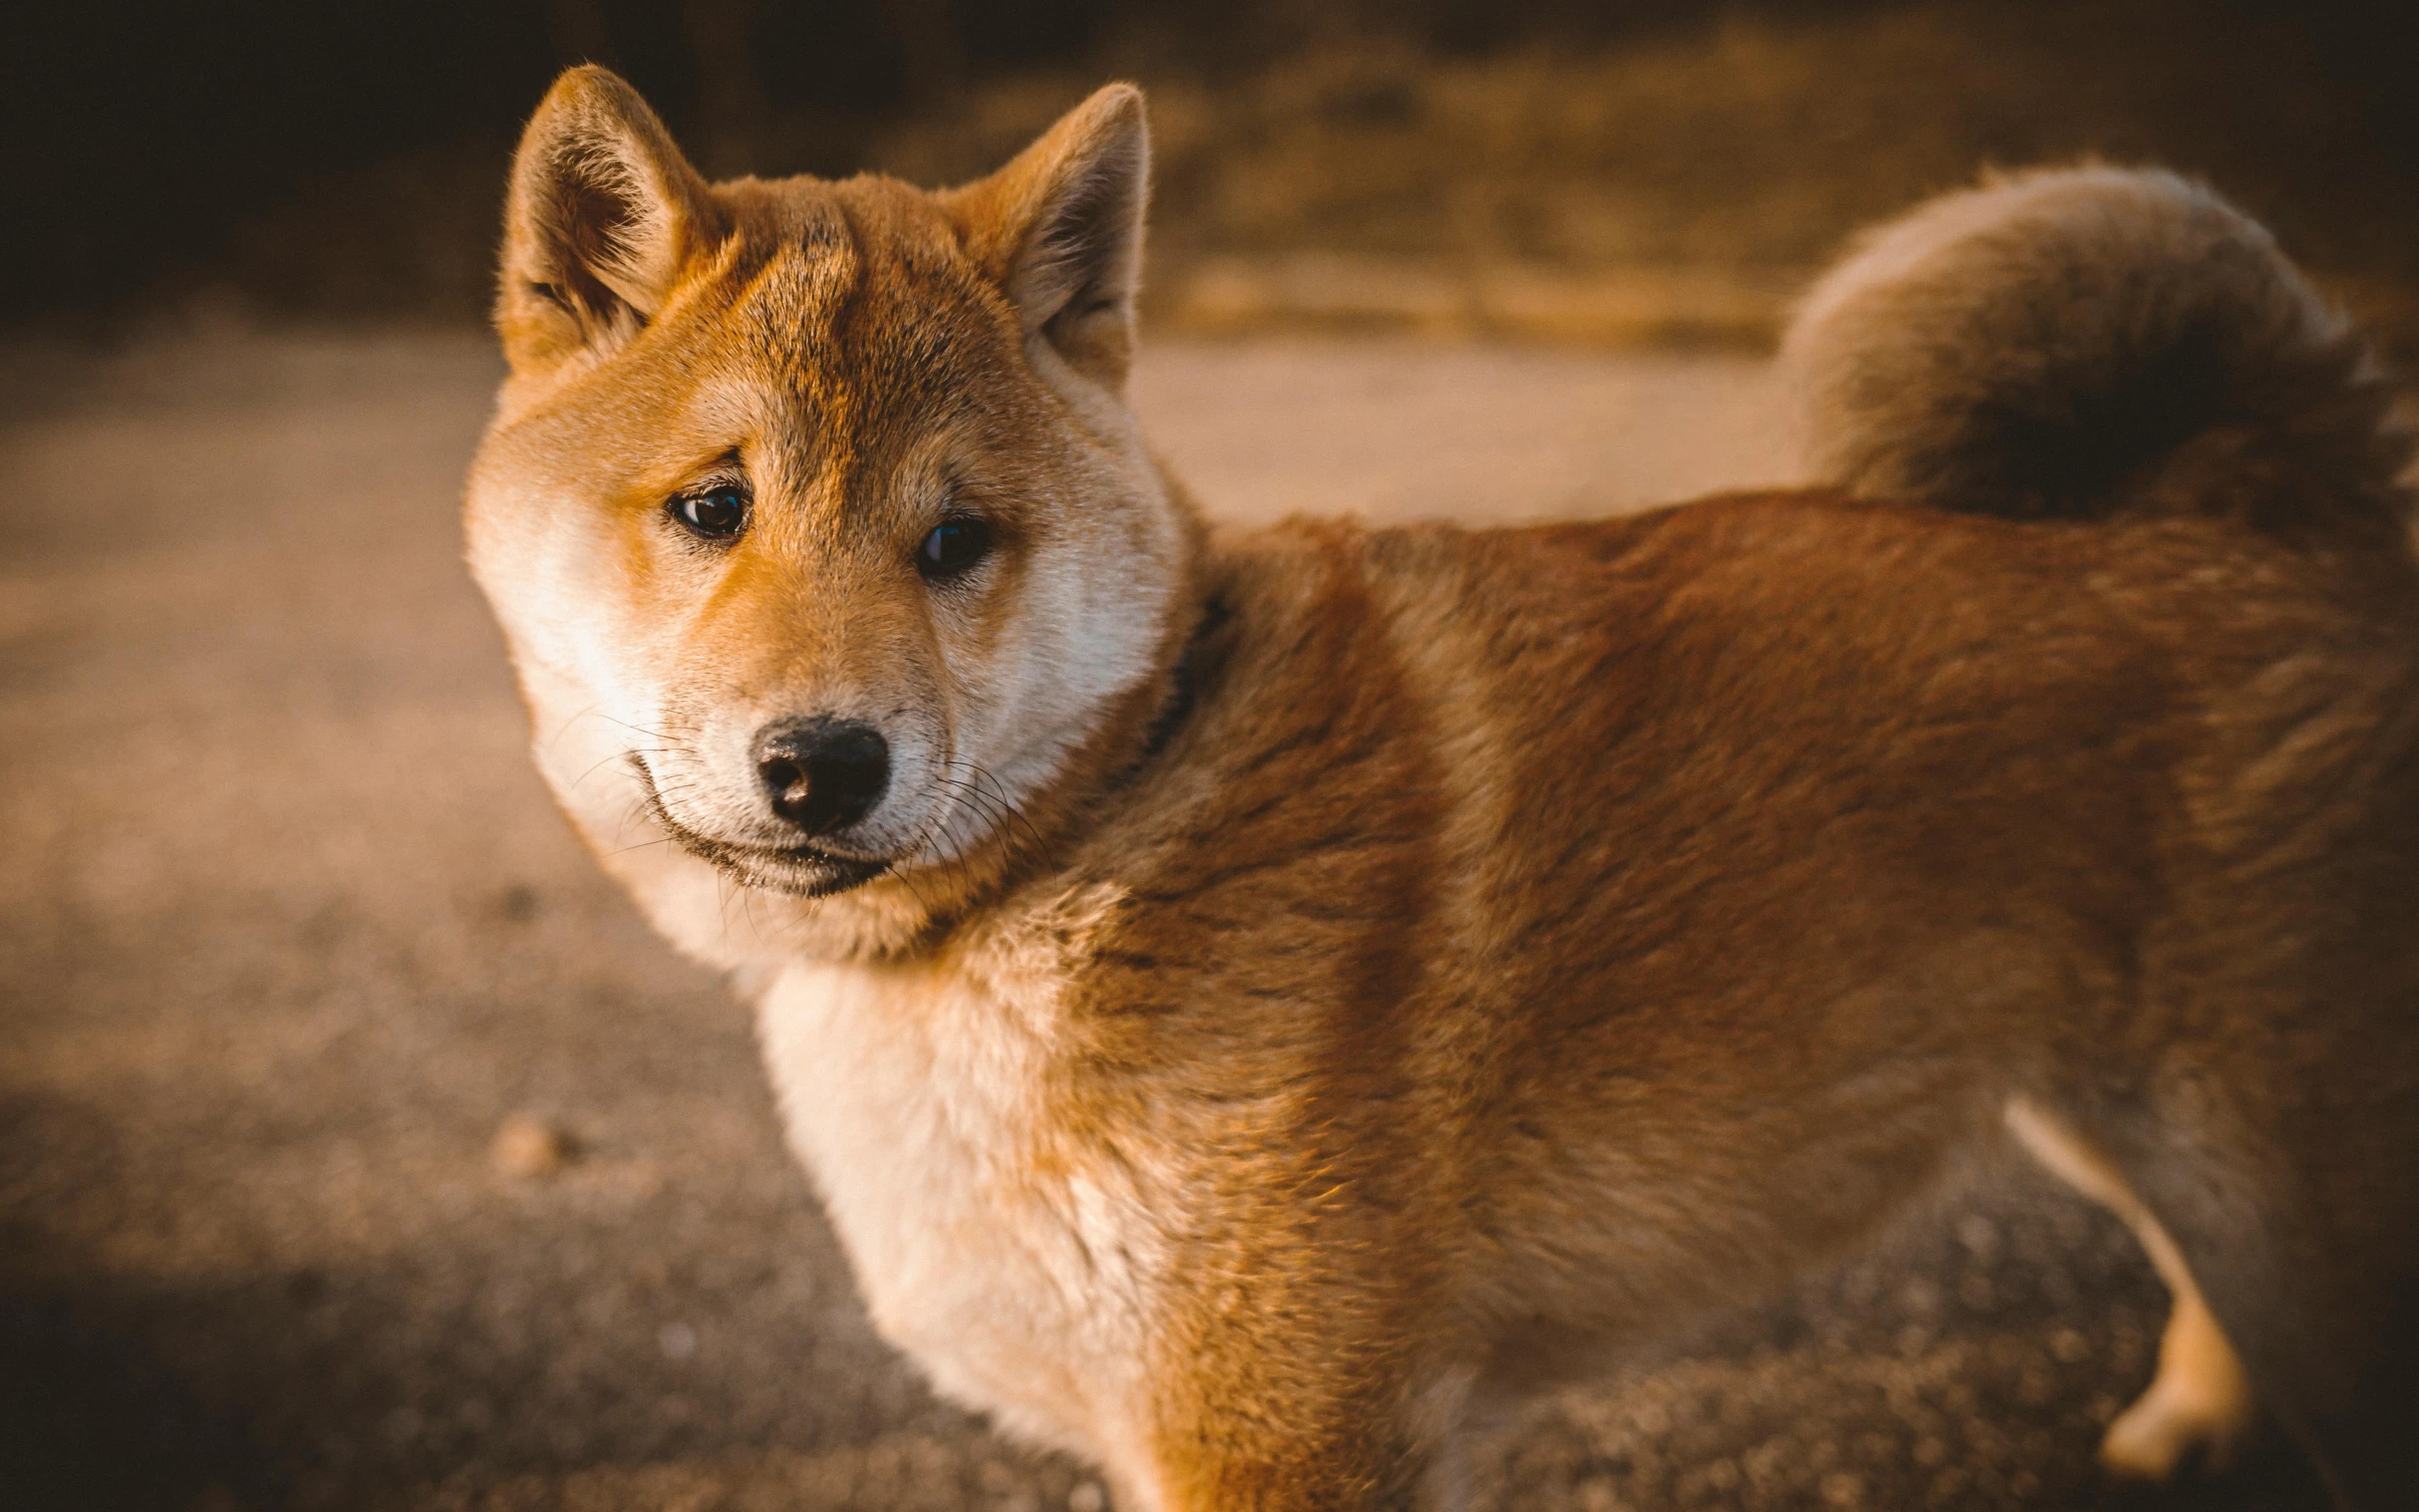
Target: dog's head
[826, 546]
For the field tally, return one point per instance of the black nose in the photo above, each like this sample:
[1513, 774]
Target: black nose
[822, 774]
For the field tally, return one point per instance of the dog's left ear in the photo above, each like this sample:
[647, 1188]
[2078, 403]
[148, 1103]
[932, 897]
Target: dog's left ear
[1061, 228]
[602, 215]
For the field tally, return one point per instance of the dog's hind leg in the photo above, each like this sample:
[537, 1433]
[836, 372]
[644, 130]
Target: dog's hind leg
[2304, 1242]
[2199, 1402]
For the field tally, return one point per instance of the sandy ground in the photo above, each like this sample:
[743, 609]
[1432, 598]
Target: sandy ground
[288, 929]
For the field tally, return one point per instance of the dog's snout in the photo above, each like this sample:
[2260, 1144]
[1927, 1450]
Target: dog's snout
[823, 775]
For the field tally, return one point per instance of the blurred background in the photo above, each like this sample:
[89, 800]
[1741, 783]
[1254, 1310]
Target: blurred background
[360, 1148]
[1610, 170]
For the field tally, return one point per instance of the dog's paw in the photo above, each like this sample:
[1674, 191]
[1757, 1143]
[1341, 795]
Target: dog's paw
[2199, 1409]
[2154, 1439]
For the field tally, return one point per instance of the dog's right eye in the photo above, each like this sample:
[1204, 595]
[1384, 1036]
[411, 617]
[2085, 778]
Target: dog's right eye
[717, 513]
[952, 549]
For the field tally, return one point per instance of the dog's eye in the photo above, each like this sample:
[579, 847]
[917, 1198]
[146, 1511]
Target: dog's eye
[952, 549]
[717, 513]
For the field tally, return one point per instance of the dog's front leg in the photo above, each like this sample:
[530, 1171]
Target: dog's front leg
[1250, 1471]
[1291, 1440]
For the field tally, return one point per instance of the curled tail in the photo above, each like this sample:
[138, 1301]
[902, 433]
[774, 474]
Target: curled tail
[2080, 342]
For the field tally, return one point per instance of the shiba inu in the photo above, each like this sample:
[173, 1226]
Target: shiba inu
[1252, 1004]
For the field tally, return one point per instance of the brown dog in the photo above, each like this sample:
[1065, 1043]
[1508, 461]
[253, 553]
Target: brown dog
[1254, 1004]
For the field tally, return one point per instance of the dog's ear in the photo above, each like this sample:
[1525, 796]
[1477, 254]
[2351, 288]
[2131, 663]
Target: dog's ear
[1061, 228]
[602, 214]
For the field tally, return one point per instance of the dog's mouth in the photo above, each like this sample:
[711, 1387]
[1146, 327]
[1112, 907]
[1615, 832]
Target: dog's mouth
[800, 870]
[806, 872]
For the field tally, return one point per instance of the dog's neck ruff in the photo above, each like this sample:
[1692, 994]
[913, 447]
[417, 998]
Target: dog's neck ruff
[1183, 693]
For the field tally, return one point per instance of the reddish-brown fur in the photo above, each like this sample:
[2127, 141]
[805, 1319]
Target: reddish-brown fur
[1448, 955]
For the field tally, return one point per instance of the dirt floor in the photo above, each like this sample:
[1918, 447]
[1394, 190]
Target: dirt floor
[288, 931]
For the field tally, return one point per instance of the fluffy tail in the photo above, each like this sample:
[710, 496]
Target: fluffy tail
[2079, 343]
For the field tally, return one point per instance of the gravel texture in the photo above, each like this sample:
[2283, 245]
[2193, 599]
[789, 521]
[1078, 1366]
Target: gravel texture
[359, 1146]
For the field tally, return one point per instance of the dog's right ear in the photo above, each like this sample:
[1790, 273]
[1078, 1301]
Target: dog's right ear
[602, 215]
[1061, 228]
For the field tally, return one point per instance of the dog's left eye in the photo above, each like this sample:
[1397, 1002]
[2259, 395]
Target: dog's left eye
[717, 513]
[952, 549]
